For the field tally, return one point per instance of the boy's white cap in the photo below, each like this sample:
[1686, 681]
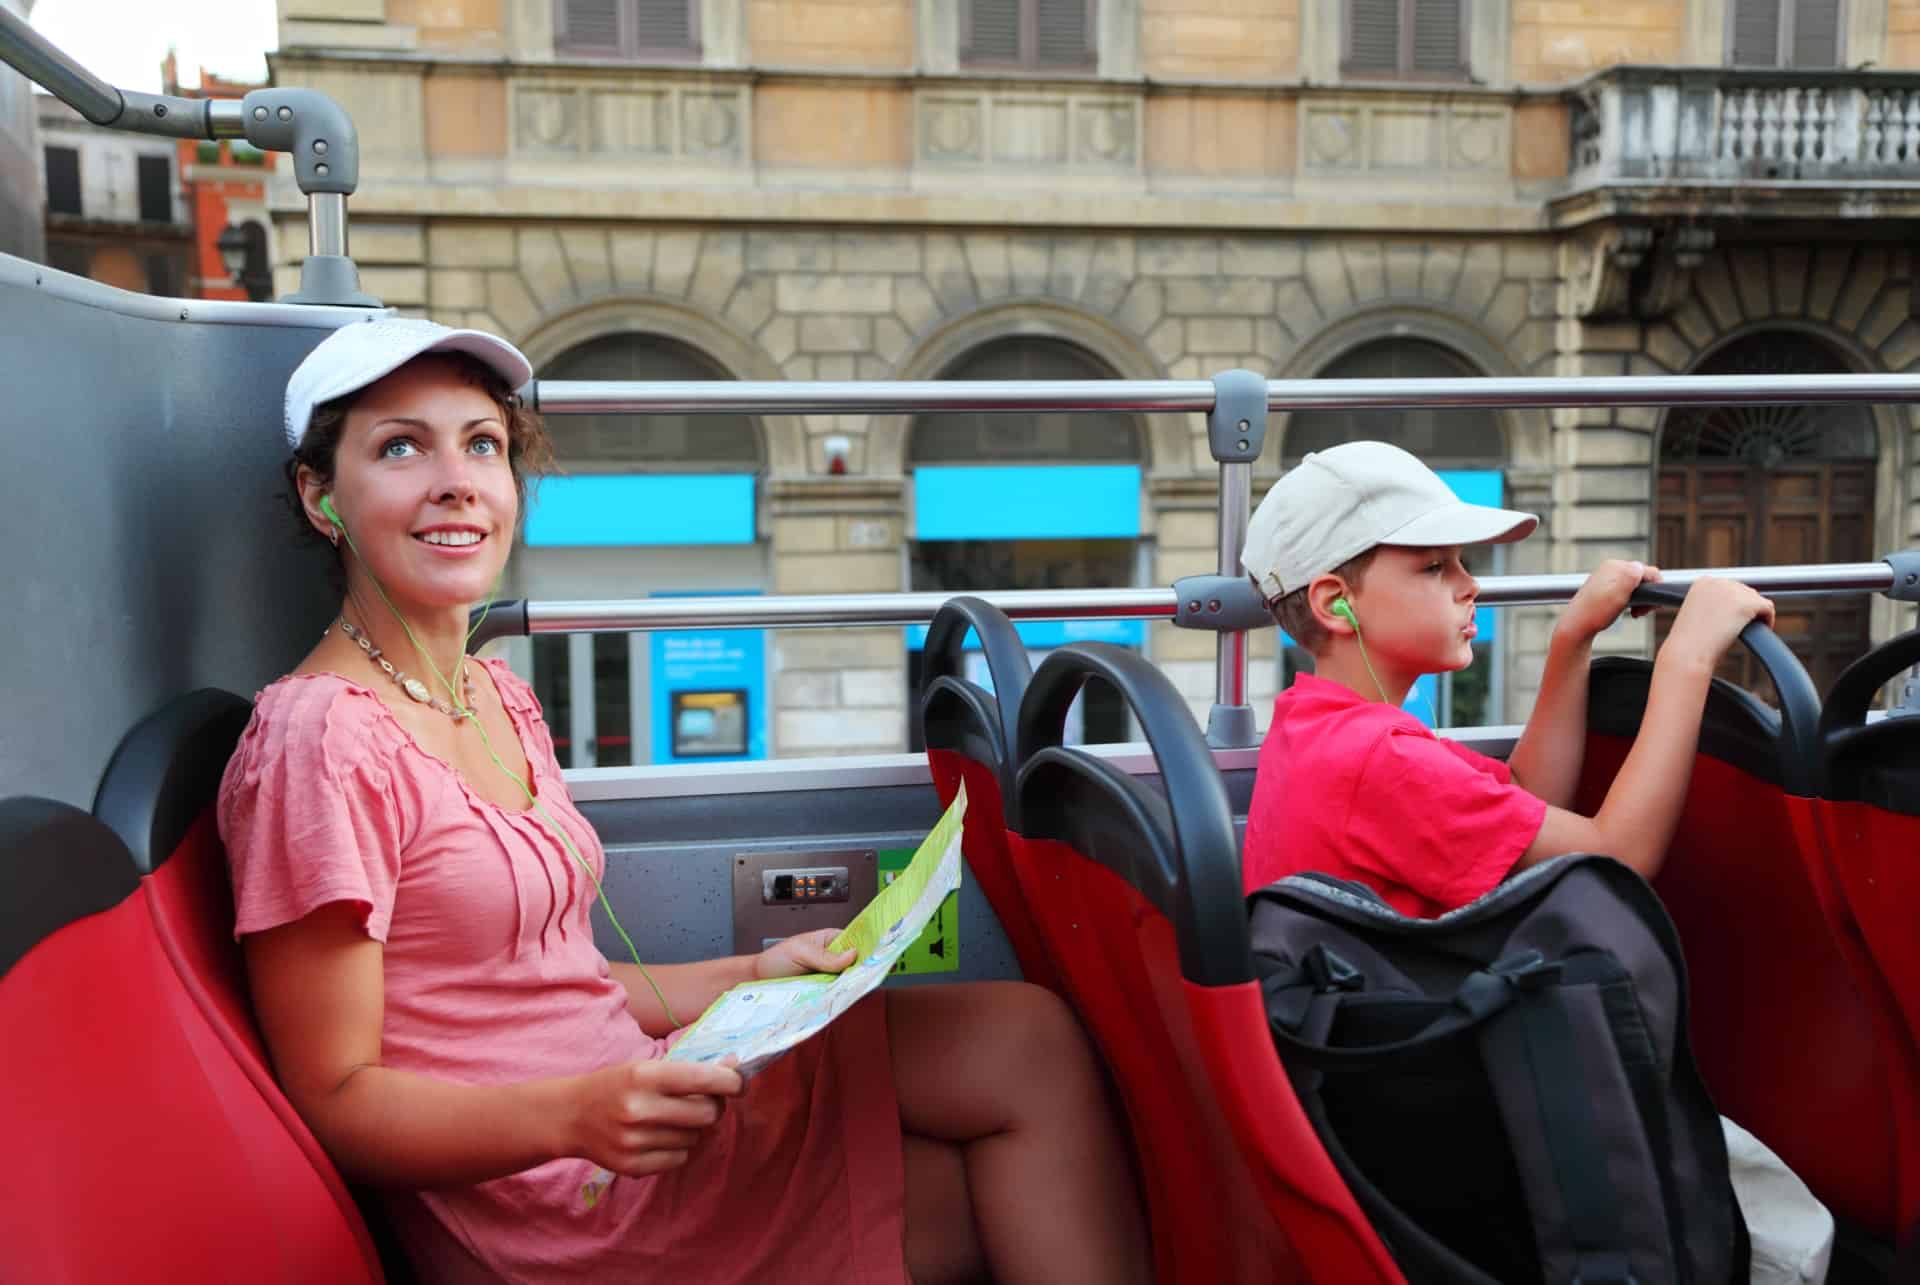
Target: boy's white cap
[362, 352]
[1338, 503]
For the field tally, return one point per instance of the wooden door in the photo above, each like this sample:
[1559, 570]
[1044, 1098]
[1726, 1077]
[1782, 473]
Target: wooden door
[1730, 513]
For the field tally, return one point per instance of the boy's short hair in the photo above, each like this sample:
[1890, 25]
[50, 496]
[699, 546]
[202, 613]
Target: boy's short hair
[1295, 615]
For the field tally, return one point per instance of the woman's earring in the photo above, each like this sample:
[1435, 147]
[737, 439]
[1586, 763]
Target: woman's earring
[334, 535]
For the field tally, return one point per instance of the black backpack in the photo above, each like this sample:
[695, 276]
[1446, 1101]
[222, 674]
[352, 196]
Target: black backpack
[1507, 1089]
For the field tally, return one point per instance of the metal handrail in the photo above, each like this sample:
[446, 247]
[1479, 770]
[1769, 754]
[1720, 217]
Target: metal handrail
[599, 397]
[803, 611]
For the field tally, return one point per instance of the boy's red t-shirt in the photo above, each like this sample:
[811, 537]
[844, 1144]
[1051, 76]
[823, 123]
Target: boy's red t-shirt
[1362, 790]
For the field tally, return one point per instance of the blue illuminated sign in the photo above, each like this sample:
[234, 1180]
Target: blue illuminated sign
[598, 510]
[709, 693]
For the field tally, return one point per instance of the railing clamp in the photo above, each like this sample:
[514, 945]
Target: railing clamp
[1237, 426]
[1906, 575]
[1219, 603]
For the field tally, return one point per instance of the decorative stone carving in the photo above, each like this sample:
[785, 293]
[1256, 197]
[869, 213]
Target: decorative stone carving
[950, 129]
[664, 121]
[1330, 136]
[544, 121]
[1404, 133]
[1030, 130]
[710, 123]
[632, 122]
[1681, 250]
[1603, 270]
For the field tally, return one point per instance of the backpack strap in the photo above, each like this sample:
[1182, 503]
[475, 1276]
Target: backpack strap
[1322, 981]
[1579, 1169]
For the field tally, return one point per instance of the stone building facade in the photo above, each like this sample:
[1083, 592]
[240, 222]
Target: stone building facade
[861, 189]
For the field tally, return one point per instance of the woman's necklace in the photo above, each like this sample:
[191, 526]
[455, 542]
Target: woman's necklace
[413, 687]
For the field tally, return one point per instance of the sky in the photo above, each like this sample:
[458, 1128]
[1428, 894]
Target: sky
[123, 41]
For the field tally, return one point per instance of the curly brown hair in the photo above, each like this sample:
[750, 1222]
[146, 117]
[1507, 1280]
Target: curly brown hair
[529, 450]
[1294, 615]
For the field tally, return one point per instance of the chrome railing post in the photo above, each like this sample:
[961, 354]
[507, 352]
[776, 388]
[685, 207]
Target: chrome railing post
[1236, 432]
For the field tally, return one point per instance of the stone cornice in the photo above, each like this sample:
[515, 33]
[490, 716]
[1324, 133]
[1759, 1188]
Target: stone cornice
[834, 495]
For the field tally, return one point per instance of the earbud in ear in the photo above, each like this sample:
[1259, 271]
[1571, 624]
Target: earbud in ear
[1344, 609]
[326, 507]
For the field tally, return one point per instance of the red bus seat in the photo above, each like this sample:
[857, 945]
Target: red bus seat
[968, 732]
[157, 795]
[137, 1147]
[1870, 828]
[1788, 1025]
[1139, 899]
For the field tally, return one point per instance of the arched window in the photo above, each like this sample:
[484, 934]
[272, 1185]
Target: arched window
[648, 504]
[1031, 501]
[1760, 485]
[1077, 437]
[702, 443]
[1465, 446]
[1768, 436]
[1443, 437]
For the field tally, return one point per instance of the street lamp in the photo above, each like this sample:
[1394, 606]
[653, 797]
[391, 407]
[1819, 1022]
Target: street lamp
[233, 250]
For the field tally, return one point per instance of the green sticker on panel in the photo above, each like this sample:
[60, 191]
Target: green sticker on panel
[938, 949]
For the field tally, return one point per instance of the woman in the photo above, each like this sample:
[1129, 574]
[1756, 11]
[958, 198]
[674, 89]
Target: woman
[415, 922]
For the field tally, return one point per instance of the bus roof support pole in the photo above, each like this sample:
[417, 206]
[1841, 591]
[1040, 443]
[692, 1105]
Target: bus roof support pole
[1236, 432]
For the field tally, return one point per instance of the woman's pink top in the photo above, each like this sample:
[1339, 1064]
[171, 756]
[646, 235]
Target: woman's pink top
[492, 977]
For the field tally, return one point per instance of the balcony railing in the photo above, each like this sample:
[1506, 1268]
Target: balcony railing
[1714, 125]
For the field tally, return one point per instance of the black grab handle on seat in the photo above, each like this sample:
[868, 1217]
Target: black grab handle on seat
[944, 651]
[1202, 895]
[1853, 691]
[1799, 738]
[944, 671]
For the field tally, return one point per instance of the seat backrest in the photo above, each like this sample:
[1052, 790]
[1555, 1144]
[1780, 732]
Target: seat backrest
[138, 1147]
[1870, 829]
[158, 794]
[1773, 969]
[968, 732]
[1139, 897]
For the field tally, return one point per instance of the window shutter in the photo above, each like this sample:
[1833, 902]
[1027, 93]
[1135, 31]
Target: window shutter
[63, 181]
[1373, 35]
[155, 176]
[1816, 33]
[664, 24]
[993, 31]
[1756, 33]
[590, 26]
[1436, 36]
[1065, 33]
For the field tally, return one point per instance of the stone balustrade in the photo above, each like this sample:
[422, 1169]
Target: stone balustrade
[1716, 125]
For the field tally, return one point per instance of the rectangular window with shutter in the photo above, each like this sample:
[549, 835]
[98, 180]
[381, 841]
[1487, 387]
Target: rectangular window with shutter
[1783, 33]
[627, 28]
[63, 180]
[1032, 35]
[155, 176]
[1405, 39]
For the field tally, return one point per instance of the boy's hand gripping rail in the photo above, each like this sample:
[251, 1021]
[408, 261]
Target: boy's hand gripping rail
[307, 125]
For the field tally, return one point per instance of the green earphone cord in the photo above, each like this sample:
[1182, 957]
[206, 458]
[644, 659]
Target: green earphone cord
[486, 743]
[1345, 609]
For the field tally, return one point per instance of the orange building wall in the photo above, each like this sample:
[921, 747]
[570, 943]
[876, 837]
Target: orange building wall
[1220, 39]
[1558, 40]
[1903, 34]
[831, 33]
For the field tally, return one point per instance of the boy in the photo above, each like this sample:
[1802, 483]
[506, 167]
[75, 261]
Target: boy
[1357, 552]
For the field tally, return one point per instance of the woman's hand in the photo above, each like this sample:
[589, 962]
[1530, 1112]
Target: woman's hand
[805, 953]
[1603, 597]
[641, 1118]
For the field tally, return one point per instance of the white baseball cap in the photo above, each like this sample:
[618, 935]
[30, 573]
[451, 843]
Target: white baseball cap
[363, 352]
[1338, 503]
